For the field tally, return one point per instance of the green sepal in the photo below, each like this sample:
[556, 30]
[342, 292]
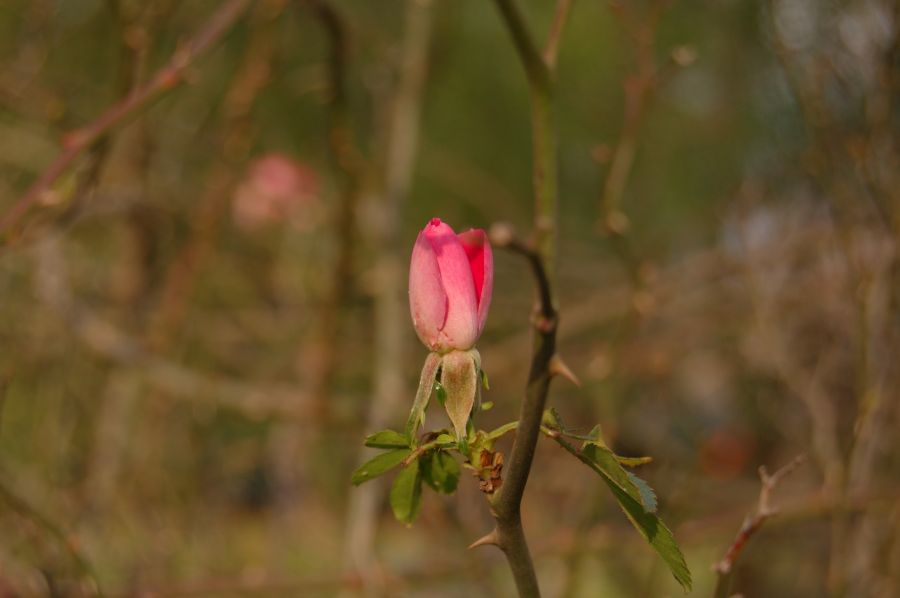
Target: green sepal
[423, 394]
[459, 379]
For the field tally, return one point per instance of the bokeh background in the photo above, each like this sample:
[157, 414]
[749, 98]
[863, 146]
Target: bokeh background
[202, 318]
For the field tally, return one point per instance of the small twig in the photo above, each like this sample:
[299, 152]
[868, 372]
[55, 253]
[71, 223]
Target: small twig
[166, 79]
[752, 523]
[560, 18]
[502, 235]
[18, 504]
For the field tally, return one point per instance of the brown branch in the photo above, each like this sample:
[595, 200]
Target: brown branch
[506, 503]
[752, 523]
[169, 77]
[641, 87]
[502, 235]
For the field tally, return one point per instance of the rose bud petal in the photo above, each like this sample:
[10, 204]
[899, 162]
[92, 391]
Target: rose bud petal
[275, 188]
[442, 290]
[481, 263]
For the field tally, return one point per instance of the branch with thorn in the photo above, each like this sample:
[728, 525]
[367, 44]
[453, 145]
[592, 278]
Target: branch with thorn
[752, 523]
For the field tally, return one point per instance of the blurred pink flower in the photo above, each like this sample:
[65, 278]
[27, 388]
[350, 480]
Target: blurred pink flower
[451, 278]
[275, 188]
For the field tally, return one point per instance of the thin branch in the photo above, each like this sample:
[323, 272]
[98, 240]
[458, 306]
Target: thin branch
[536, 68]
[21, 506]
[752, 523]
[502, 235]
[166, 79]
[506, 503]
[560, 18]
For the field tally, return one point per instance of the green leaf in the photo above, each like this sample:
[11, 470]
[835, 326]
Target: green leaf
[380, 465]
[484, 380]
[423, 394]
[639, 509]
[656, 533]
[487, 405]
[648, 496]
[441, 472]
[605, 463]
[387, 439]
[406, 493]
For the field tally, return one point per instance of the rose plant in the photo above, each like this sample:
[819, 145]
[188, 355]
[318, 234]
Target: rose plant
[451, 279]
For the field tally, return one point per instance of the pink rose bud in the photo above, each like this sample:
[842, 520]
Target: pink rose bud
[451, 278]
[275, 188]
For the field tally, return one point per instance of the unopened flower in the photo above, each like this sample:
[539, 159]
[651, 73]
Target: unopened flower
[451, 279]
[274, 189]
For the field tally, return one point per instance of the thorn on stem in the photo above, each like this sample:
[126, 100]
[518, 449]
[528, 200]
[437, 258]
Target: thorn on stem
[558, 367]
[490, 538]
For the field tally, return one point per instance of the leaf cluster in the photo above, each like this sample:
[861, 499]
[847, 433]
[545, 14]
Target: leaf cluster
[634, 495]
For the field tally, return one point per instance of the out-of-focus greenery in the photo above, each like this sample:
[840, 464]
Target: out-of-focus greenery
[165, 427]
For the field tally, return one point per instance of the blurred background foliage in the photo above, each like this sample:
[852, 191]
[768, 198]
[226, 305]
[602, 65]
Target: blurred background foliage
[203, 316]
